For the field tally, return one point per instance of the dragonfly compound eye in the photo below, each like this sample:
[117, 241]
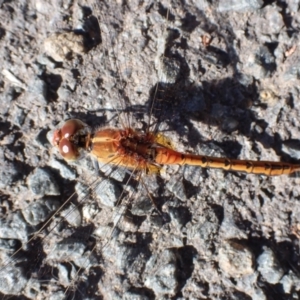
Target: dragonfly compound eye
[68, 150]
[71, 127]
[68, 138]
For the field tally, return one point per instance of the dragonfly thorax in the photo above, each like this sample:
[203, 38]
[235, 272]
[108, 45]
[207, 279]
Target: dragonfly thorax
[128, 148]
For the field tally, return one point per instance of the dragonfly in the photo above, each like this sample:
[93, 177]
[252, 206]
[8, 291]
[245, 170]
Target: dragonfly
[147, 151]
[125, 265]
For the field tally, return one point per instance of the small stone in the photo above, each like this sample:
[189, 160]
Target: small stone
[292, 148]
[271, 21]
[135, 296]
[289, 281]
[14, 227]
[169, 70]
[160, 273]
[8, 174]
[235, 259]
[179, 215]
[269, 267]
[82, 190]
[203, 232]
[41, 182]
[37, 91]
[8, 245]
[292, 69]
[228, 228]
[32, 289]
[229, 125]
[239, 5]
[65, 276]
[72, 215]
[176, 187]
[193, 174]
[63, 93]
[12, 280]
[13, 79]
[61, 46]
[89, 211]
[108, 192]
[37, 212]
[103, 231]
[70, 250]
[18, 116]
[141, 206]
[118, 174]
[64, 170]
[248, 285]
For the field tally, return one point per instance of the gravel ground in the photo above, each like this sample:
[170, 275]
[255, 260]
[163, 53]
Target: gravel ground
[228, 74]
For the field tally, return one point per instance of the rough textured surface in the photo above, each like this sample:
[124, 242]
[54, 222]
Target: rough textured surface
[228, 74]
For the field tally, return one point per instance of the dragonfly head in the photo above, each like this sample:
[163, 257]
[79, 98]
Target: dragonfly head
[71, 138]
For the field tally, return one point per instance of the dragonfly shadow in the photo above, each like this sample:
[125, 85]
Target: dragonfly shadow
[223, 104]
[188, 90]
[185, 256]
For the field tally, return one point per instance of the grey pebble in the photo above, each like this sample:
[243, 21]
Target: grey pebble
[12, 280]
[41, 182]
[32, 288]
[229, 125]
[176, 187]
[179, 215]
[193, 174]
[65, 276]
[141, 206]
[239, 5]
[64, 93]
[235, 259]
[160, 273]
[271, 21]
[37, 212]
[266, 60]
[72, 215]
[290, 281]
[64, 169]
[37, 92]
[14, 227]
[108, 192]
[70, 250]
[19, 115]
[82, 190]
[269, 266]
[8, 174]
[118, 174]
[292, 148]
[65, 45]
[202, 232]
[292, 69]
[169, 70]
[7, 245]
[134, 296]
[248, 284]
[228, 229]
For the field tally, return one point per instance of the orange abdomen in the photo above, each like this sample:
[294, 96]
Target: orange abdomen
[168, 156]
